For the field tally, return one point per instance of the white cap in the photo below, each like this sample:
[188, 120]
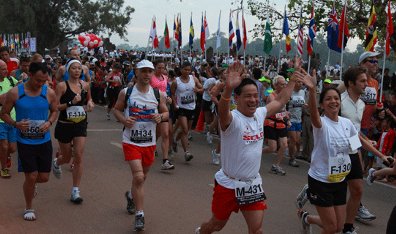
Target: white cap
[145, 63]
[368, 54]
[47, 56]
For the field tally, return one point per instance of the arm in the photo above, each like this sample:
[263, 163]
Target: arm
[9, 102]
[198, 86]
[90, 103]
[119, 108]
[369, 147]
[53, 108]
[59, 74]
[86, 73]
[163, 110]
[173, 93]
[60, 90]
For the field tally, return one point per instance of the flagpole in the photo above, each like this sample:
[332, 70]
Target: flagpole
[309, 64]
[343, 36]
[279, 57]
[383, 71]
[328, 63]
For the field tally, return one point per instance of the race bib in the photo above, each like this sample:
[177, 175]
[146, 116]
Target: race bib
[370, 96]
[249, 192]
[187, 99]
[141, 134]
[33, 131]
[339, 167]
[76, 114]
[281, 115]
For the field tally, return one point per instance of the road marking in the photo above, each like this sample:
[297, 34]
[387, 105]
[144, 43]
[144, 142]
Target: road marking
[116, 144]
[105, 130]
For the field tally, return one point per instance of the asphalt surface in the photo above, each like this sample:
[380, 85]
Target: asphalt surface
[176, 201]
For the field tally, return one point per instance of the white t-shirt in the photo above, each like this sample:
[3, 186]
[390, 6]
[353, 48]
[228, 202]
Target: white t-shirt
[185, 94]
[207, 85]
[295, 105]
[330, 141]
[241, 148]
[352, 110]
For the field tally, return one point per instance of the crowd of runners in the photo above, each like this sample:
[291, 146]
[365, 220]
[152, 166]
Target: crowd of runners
[252, 109]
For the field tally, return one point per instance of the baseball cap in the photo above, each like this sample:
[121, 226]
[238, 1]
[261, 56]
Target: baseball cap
[47, 56]
[145, 63]
[264, 79]
[368, 54]
[328, 81]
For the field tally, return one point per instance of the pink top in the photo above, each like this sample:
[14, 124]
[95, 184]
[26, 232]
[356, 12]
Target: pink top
[159, 83]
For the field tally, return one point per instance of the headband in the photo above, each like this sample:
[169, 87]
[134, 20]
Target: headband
[71, 62]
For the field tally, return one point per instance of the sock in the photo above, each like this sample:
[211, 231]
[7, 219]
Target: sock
[348, 227]
[140, 213]
[75, 189]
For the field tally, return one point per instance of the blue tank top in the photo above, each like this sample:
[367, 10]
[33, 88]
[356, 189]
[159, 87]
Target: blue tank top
[65, 76]
[36, 110]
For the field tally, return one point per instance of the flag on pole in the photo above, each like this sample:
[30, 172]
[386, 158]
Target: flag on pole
[218, 38]
[311, 32]
[206, 26]
[300, 38]
[286, 32]
[389, 29]
[153, 34]
[238, 32]
[176, 28]
[191, 37]
[231, 33]
[180, 31]
[332, 30]
[343, 28]
[267, 38]
[371, 30]
[203, 37]
[166, 35]
[244, 40]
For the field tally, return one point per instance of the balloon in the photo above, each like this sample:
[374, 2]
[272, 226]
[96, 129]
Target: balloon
[96, 42]
[85, 43]
[100, 43]
[91, 44]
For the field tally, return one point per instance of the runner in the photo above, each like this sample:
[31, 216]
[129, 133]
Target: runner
[62, 73]
[32, 100]
[114, 79]
[74, 97]
[160, 81]
[21, 74]
[183, 99]
[139, 113]
[12, 64]
[7, 132]
[276, 128]
[242, 134]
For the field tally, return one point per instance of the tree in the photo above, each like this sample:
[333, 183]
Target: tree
[54, 21]
[357, 16]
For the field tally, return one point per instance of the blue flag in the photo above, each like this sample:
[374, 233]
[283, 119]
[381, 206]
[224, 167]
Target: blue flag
[332, 31]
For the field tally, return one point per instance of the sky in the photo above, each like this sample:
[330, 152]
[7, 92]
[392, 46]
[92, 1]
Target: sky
[139, 28]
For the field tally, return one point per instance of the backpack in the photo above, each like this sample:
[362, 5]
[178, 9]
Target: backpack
[129, 92]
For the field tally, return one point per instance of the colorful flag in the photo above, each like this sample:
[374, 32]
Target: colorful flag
[371, 30]
[343, 29]
[218, 38]
[175, 33]
[286, 32]
[206, 28]
[166, 35]
[203, 37]
[191, 36]
[300, 38]
[389, 29]
[238, 33]
[267, 38]
[311, 32]
[332, 30]
[244, 39]
[231, 33]
[153, 34]
[180, 31]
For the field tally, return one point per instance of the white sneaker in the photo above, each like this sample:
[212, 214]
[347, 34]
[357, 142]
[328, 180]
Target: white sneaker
[167, 165]
[56, 169]
[209, 138]
[370, 177]
[198, 230]
[215, 158]
[75, 197]
[364, 214]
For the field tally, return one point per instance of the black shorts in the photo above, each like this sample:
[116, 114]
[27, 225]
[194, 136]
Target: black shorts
[65, 132]
[35, 157]
[189, 114]
[274, 133]
[356, 169]
[326, 194]
[206, 105]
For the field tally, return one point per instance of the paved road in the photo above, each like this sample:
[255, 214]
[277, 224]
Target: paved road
[175, 202]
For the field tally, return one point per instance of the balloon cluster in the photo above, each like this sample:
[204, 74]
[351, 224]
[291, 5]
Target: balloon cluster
[90, 40]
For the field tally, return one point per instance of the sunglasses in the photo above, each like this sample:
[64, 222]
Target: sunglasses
[372, 61]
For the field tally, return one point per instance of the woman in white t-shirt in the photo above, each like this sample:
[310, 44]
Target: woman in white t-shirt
[330, 162]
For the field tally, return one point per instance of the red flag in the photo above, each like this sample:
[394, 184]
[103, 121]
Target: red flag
[203, 37]
[153, 34]
[166, 35]
[244, 39]
[389, 29]
[343, 29]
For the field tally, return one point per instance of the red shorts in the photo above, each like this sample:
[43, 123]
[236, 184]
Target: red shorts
[224, 203]
[143, 153]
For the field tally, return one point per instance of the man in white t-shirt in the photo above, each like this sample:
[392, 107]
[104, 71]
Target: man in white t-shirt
[238, 184]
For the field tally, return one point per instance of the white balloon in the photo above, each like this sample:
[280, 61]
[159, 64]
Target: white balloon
[91, 44]
[100, 43]
[85, 43]
[95, 42]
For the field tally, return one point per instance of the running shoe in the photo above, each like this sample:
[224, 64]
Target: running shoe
[364, 214]
[209, 138]
[198, 230]
[130, 203]
[56, 169]
[304, 225]
[302, 197]
[167, 165]
[277, 170]
[139, 223]
[188, 156]
[108, 116]
[370, 177]
[215, 158]
[75, 197]
[293, 163]
[5, 173]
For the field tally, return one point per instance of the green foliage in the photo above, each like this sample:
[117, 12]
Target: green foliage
[53, 21]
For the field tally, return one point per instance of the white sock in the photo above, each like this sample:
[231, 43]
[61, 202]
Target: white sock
[140, 212]
[75, 189]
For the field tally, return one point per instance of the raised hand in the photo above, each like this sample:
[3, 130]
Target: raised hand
[234, 75]
[303, 76]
